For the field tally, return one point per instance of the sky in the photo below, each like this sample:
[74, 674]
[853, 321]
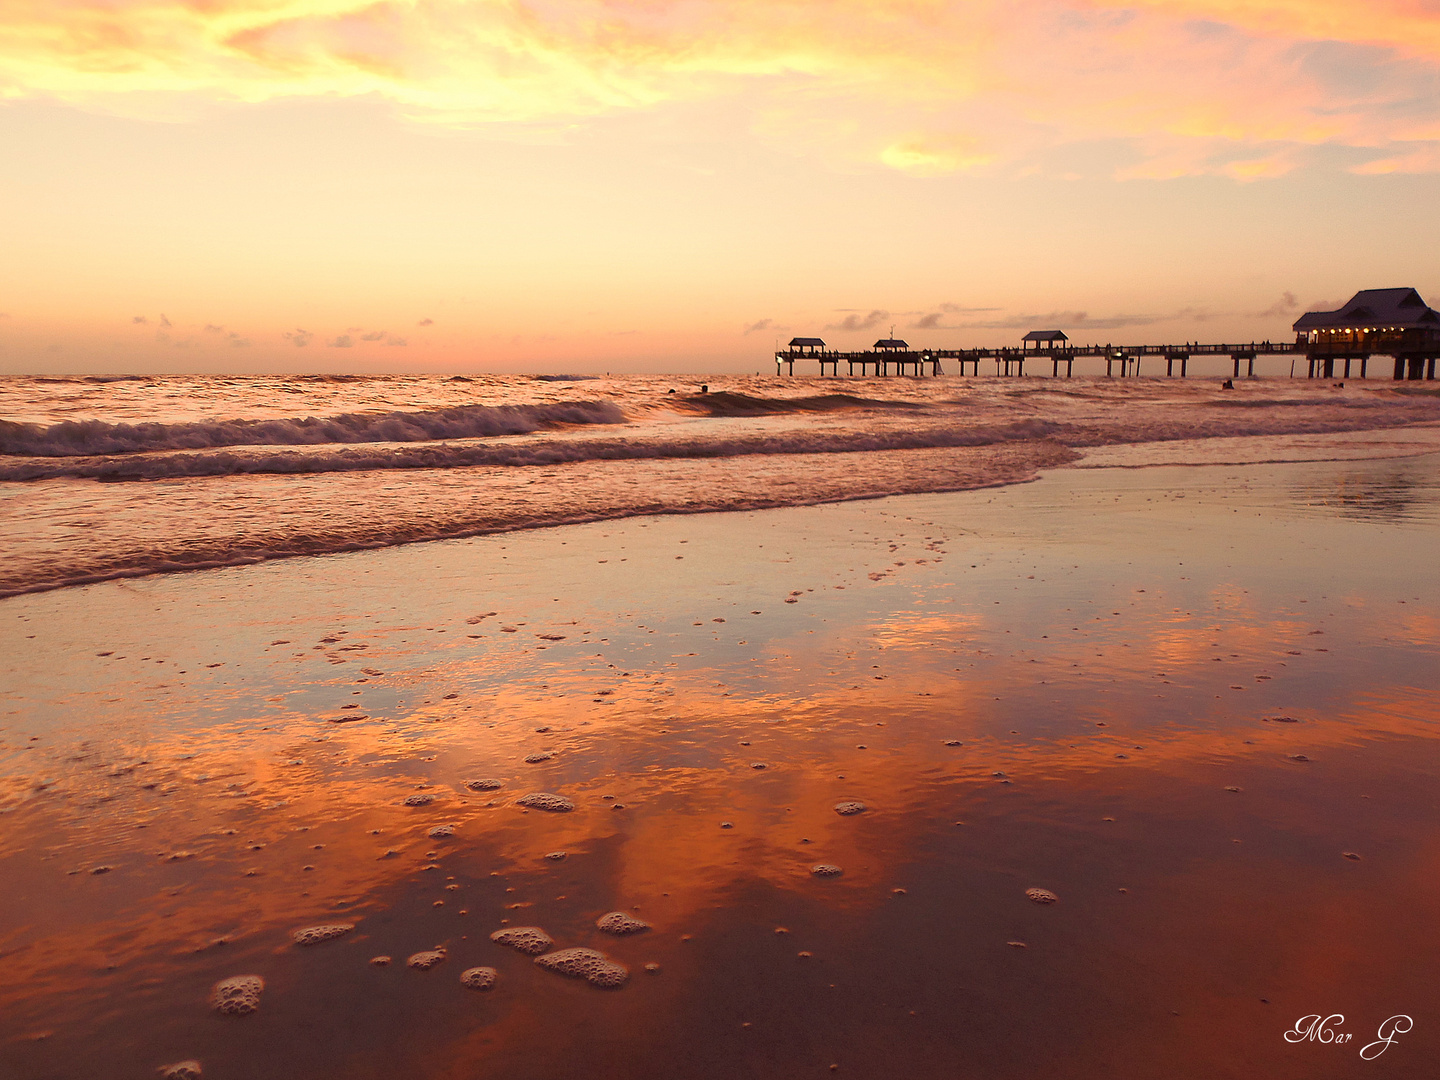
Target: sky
[678, 185]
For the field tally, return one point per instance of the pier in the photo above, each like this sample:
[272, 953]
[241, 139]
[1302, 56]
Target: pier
[1376, 322]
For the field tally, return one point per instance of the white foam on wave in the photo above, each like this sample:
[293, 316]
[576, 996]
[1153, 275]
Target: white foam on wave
[83, 438]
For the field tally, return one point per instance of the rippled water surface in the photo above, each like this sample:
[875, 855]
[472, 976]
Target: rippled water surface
[103, 479]
[1196, 704]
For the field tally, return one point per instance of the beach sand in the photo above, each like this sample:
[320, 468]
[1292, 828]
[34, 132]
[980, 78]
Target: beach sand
[1198, 705]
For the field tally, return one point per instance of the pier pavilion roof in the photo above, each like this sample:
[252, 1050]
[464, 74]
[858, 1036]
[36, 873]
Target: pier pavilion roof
[1398, 308]
[806, 342]
[891, 343]
[1045, 335]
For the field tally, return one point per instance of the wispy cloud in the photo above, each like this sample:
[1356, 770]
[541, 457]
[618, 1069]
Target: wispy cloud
[935, 320]
[298, 338]
[855, 321]
[1286, 305]
[374, 335]
[426, 322]
[140, 320]
[1069, 320]
[1236, 88]
[344, 341]
[397, 341]
[763, 324]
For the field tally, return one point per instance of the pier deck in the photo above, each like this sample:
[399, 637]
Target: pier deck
[1321, 361]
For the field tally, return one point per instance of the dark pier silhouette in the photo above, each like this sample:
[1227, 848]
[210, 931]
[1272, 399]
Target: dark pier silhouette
[1376, 322]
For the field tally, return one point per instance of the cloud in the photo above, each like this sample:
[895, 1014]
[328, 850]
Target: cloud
[237, 341]
[1074, 320]
[763, 324]
[856, 322]
[165, 322]
[374, 335]
[140, 320]
[393, 340]
[931, 88]
[344, 341]
[212, 328]
[298, 338]
[426, 322]
[1286, 305]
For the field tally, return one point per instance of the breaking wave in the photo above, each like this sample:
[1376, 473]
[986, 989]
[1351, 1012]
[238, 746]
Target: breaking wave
[82, 438]
[537, 452]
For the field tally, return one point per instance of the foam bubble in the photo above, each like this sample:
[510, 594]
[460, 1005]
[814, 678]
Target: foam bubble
[380, 961]
[419, 800]
[424, 961]
[849, 807]
[314, 935]
[555, 856]
[441, 832]
[653, 968]
[484, 785]
[758, 765]
[594, 967]
[826, 870]
[1041, 896]
[526, 939]
[181, 1070]
[544, 800]
[478, 978]
[619, 923]
[238, 995]
[536, 758]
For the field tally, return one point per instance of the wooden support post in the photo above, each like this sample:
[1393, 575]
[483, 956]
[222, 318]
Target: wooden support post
[1399, 368]
[1252, 367]
[1364, 363]
[1347, 367]
[1430, 370]
[1183, 361]
[1237, 366]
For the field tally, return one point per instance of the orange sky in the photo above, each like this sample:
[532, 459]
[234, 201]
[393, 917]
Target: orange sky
[672, 184]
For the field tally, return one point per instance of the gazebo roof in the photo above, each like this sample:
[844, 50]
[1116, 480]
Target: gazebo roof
[804, 342]
[891, 343]
[1045, 335]
[1373, 307]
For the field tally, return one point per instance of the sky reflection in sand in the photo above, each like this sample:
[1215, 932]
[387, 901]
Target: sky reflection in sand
[1111, 658]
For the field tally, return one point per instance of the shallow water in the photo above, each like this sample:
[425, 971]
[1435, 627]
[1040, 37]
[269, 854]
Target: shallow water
[1118, 643]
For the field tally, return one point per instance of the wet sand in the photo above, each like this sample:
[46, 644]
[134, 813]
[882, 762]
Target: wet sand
[1179, 699]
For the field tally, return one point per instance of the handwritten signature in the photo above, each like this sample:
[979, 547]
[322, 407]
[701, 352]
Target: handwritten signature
[1325, 1029]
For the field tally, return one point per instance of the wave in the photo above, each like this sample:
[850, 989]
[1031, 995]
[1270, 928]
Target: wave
[618, 447]
[81, 438]
[449, 456]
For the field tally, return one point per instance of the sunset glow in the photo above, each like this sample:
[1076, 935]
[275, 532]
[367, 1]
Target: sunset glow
[579, 184]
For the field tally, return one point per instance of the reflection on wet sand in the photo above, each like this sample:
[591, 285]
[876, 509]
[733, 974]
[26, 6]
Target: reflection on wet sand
[1185, 746]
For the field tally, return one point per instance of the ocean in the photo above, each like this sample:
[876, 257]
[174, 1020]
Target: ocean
[117, 476]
